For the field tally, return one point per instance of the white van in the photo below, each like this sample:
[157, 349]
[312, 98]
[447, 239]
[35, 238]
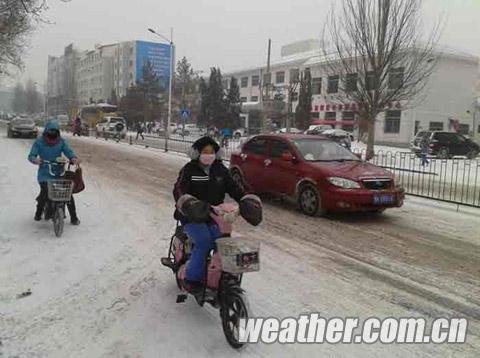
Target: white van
[107, 127]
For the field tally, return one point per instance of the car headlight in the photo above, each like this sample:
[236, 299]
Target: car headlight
[343, 183]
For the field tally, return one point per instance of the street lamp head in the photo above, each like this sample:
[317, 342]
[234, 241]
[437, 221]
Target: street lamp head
[151, 30]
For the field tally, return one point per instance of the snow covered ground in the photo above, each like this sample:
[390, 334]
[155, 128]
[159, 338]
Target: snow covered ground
[100, 290]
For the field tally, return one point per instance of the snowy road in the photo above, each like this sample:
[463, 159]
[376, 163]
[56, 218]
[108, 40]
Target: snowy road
[100, 291]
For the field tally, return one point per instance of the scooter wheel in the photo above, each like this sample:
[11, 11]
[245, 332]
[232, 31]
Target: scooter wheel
[234, 307]
[58, 222]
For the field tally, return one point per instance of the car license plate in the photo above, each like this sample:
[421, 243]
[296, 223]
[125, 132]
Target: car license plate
[247, 259]
[388, 199]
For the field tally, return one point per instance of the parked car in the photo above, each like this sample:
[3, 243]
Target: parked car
[340, 136]
[107, 127]
[445, 145]
[292, 131]
[22, 126]
[318, 128]
[319, 174]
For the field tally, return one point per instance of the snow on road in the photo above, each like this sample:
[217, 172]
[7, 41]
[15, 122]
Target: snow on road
[100, 290]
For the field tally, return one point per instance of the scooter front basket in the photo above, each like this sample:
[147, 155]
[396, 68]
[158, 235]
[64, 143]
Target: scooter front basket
[60, 190]
[239, 255]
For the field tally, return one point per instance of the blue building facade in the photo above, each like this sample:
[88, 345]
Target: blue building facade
[159, 56]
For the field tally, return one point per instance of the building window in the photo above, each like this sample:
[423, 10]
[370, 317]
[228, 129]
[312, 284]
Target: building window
[267, 79]
[255, 80]
[333, 84]
[330, 116]
[395, 79]
[316, 85]
[294, 75]
[244, 82]
[464, 129]
[478, 129]
[370, 81]
[435, 126]
[280, 77]
[351, 82]
[243, 99]
[392, 121]
[315, 115]
[350, 117]
[254, 99]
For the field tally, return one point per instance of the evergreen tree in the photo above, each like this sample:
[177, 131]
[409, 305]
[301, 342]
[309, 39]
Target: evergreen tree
[204, 103]
[18, 104]
[150, 87]
[234, 105]
[113, 98]
[132, 105]
[304, 107]
[33, 102]
[217, 106]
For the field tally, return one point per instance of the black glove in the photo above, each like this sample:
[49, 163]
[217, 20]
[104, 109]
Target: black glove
[196, 211]
[251, 209]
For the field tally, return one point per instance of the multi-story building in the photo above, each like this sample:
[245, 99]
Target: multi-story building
[448, 101]
[94, 76]
[61, 86]
[81, 77]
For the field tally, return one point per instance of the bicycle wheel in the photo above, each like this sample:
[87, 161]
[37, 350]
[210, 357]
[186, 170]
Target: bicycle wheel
[233, 308]
[58, 222]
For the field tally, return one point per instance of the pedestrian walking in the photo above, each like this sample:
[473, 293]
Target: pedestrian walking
[424, 146]
[77, 126]
[118, 131]
[140, 131]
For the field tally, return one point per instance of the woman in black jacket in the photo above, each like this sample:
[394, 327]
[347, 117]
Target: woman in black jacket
[204, 182]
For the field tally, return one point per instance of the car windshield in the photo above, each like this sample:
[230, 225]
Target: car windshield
[323, 151]
[24, 122]
[116, 120]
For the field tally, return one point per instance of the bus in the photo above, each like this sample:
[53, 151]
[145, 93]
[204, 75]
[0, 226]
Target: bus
[92, 114]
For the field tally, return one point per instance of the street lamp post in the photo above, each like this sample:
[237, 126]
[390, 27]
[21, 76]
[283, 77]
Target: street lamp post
[172, 61]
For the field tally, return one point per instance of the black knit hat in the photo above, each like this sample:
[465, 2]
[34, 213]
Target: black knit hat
[203, 142]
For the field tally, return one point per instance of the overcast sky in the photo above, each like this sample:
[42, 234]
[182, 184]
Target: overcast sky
[231, 34]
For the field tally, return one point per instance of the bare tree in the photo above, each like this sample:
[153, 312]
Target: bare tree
[18, 19]
[381, 55]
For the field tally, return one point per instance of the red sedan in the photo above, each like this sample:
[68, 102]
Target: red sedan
[320, 174]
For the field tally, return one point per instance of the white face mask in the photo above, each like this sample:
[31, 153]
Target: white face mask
[207, 159]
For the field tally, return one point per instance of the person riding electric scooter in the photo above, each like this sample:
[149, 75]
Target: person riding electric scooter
[49, 147]
[202, 183]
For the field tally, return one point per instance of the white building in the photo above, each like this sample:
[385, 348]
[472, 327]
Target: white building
[61, 86]
[94, 76]
[449, 100]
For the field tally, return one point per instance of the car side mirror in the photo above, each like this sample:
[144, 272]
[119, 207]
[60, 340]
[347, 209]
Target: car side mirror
[287, 157]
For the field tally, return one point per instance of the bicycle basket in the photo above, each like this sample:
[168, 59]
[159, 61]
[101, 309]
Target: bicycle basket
[60, 190]
[239, 255]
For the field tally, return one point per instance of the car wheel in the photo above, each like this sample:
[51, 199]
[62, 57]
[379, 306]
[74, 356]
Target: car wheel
[238, 179]
[443, 153]
[309, 201]
[472, 154]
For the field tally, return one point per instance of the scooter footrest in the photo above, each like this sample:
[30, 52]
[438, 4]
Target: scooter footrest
[181, 298]
[168, 262]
